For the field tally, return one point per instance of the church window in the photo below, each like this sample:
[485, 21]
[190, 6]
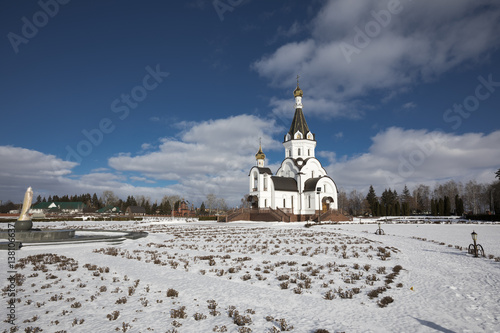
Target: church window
[265, 202]
[289, 152]
[299, 152]
[312, 174]
[309, 201]
[284, 203]
[309, 152]
[265, 183]
[255, 182]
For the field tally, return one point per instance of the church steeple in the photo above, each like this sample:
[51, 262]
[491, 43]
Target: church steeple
[299, 142]
[298, 129]
[260, 156]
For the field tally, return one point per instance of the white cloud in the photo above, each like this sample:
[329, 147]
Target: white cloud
[424, 40]
[398, 157]
[409, 105]
[210, 156]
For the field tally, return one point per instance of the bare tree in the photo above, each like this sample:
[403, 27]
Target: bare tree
[211, 201]
[421, 195]
[109, 198]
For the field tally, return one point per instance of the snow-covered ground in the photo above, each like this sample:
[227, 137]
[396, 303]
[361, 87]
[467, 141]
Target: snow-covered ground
[260, 277]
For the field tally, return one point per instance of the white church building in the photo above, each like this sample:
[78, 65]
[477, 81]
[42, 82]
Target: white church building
[301, 186]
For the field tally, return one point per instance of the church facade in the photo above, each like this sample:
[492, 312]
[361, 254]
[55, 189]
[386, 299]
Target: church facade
[301, 186]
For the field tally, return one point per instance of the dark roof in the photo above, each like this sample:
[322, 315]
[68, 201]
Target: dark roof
[298, 124]
[284, 184]
[136, 209]
[310, 184]
[263, 170]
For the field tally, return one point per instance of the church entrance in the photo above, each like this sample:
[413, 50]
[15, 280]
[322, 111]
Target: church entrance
[325, 204]
[254, 201]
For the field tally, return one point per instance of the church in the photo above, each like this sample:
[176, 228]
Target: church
[301, 188]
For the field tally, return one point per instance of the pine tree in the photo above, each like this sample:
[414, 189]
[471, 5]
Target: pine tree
[167, 209]
[497, 174]
[433, 208]
[447, 206]
[95, 201]
[440, 206]
[459, 206]
[202, 208]
[371, 197]
[397, 209]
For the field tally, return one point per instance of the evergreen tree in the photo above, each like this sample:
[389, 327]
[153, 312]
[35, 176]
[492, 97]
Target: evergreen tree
[497, 174]
[176, 205]
[397, 209]
[202, 209]
[167, 209]
[440, 207]
[447, 206]
[95, 202]
[433, 208]
[371, 197]
[38, 199]
[459, 206]
[50, 199]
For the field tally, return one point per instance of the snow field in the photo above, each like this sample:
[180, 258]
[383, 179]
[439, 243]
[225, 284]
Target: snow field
[260, 277]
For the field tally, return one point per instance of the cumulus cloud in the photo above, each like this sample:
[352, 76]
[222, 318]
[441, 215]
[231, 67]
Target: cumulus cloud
[422, 40]
[398, 157]
[206, 157]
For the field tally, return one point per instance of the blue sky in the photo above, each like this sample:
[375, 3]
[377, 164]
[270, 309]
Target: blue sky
[158, 98]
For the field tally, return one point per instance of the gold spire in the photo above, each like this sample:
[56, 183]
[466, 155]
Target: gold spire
[260, 155]
[298, 91]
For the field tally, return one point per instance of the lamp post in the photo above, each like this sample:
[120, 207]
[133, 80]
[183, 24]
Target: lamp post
[318, 191]
[475, 248]
[379, 231]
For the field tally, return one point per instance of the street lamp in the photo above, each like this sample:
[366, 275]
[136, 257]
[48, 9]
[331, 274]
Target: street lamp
[475, 248]
[318, 191]
[379, 231]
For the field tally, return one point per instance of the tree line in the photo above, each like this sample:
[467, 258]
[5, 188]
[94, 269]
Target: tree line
[93, 203]
[449, 198]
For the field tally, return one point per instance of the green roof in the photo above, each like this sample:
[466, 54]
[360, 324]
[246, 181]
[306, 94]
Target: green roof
[109, 209]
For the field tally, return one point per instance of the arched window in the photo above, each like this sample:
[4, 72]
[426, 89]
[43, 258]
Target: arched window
[309, 152]
[265, 183]
[298, 151]
[265, 202]
[289, 152]
[284, 203]
[255, 181]
[309, 201]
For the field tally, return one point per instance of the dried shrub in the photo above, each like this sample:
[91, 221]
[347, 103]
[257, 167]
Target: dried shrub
[121, 300]
[172, 293]
[199, 316]
[385, 301]
[178, 313]
[113, 315]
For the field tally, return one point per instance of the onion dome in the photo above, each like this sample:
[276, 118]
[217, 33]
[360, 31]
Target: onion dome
[260, 155]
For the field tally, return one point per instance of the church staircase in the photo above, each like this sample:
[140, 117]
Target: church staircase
[266, 215]
[331, 215]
